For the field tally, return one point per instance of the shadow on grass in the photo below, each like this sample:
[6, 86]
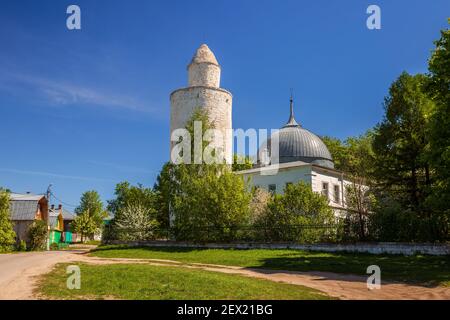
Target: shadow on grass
[429, 271]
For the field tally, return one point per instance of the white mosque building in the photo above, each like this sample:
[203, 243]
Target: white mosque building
[302, 155]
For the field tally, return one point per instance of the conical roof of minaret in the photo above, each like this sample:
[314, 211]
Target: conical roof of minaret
[204, 55]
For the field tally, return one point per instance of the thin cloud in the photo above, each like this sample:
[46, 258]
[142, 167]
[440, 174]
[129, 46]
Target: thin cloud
[64, 93]
[54, 175]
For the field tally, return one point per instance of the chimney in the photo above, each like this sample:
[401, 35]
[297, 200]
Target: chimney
[60, 207]
[53, 206]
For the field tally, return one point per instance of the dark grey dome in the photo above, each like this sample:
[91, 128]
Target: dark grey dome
[298, 144]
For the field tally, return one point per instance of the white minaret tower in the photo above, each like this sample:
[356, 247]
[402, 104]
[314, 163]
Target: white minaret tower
[203, 91]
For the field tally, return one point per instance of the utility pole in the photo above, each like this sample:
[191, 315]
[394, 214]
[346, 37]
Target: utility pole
[49, 192]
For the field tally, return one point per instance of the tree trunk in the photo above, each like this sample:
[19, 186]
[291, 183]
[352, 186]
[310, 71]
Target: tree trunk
[361, 227]
[414, 189]
[360, 199]
[427, 175]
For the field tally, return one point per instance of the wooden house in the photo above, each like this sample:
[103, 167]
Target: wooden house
[26, 208]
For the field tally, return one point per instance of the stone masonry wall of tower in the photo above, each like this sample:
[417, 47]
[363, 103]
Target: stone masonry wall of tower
[203, 91]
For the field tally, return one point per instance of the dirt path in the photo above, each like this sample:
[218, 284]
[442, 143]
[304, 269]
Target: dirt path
[19, 271]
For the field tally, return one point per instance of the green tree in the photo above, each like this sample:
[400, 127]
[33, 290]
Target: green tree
[241, 163]
[90, 201]
[401, 143]
[360, 202]
[126, 194]
[438, 88]
[165, 187]
[338, 151]
[86, 225]
[137, 196]
[391, 221]
[355, 158]
[405, 169]
[206, 201]
[360, 169]
[297, 215]
[91, 215]
[212, 206]
[7, 234]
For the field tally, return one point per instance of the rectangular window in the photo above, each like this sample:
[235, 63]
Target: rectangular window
[325, 189]
[337, 194]
[272, 188]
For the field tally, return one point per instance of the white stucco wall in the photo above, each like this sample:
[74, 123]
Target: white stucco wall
[333, 178]
[313, 175]
[284, 176]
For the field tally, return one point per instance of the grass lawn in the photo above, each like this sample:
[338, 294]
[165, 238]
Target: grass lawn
[90, 242]
[430, 270]
[142, 282]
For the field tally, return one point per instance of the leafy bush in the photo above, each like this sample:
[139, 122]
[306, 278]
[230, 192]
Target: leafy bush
[211, 205]
[392, 222]
[7, 234]
[22, 246]
[349, 227]
[134, 222]
[298, 215]
[37, 235]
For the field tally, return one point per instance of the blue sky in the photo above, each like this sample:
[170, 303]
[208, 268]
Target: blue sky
[89, 108]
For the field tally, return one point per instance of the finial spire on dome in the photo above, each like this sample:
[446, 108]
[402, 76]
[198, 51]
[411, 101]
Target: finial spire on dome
[204, 55]
[291, 122]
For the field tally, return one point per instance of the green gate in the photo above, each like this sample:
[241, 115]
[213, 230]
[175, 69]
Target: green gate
[55, 236]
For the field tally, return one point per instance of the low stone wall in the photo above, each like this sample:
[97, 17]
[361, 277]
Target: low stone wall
[375, 248]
